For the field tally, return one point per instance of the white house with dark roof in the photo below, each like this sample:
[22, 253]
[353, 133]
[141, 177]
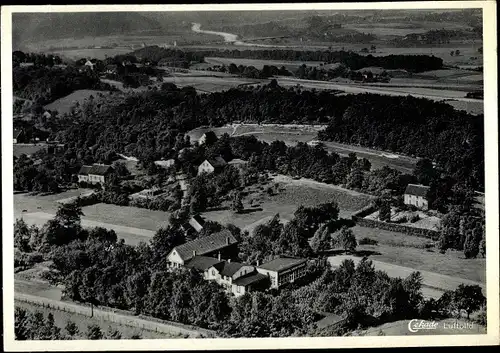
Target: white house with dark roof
[94, 174]
[222, 242]
[211, 165]
[283, 270]
[416, 195]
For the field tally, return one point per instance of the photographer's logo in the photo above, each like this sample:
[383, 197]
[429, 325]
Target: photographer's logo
[421, 325]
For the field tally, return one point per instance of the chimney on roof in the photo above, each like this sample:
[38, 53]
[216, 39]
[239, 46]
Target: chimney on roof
[227, 240]
[218, 257]
[194, 253]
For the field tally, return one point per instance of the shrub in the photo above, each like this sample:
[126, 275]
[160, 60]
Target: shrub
[368, 241]
[414, 218]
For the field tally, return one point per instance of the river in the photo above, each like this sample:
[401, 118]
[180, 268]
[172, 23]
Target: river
[233, 38]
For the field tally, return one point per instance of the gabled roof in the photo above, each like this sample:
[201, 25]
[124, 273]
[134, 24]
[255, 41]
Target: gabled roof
[95, 169]
[237, 161]
[230, 268]
[84, 170]
[217, 162]
[417, 190]
[281, 264]
[250, 279]
[206, 245]
[202, 263]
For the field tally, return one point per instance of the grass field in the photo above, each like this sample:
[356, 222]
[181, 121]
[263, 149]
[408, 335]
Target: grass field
[64, 105]
[259, 64]
[432, 280]
[62, 317]
[404, 250]
[27, 148]
[293, 194]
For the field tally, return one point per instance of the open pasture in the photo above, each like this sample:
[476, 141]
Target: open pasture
[63, 105]
[259, 63]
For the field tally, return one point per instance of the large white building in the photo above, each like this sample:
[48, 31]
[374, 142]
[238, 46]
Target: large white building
[211, 165]
[416, 195]
[94, 174]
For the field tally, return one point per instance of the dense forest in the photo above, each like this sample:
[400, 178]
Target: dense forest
[149, 125]
[354, 61]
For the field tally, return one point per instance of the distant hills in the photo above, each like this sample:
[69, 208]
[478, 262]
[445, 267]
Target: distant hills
[44, 26]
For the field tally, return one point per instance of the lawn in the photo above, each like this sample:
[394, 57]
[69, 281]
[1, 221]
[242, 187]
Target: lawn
[63, 105]
[61, 318]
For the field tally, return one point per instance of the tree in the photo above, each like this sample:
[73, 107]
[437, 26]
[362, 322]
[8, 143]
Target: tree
[424, 171]
[71, 328]
[384, 212]
[457, 52]
[22, 236]
[452, 53]
[469, 298]
[237, 204]
[322, 239]
[164, 240]
[345, 239]
[93, 332]
[69, 214]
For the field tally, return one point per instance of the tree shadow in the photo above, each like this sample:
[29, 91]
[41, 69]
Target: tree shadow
[250, 210]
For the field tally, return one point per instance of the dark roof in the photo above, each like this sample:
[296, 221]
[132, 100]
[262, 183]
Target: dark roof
[249, 279]
[84, 170]
[198, 219]
[202, 262]
[205, 245]
[417, 190]
[230, 268]
[217, 162]
[17, 133]
[282, 263]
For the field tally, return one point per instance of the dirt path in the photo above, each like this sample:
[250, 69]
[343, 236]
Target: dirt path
[434, 283]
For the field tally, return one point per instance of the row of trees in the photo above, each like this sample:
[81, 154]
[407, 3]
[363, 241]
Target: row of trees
[31, 325]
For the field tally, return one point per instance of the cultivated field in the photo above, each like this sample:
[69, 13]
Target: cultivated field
[208, 84]
[291, 194]
[64, 105]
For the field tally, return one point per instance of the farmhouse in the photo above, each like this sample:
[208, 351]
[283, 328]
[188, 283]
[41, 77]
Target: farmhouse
[283, 270]
[416, 195]
[207, 136]
[165, 164]
[235, 277]
[211, 165]
[94, 174]
[223, 243]
[19, 136]
[89, 64]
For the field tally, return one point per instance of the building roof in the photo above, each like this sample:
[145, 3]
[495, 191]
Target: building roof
[237, 161]
[249, 279]
[230, 268]
[202, 263]
[165, 163]
[417, 190]
[198, 219]
[206, 245]
[95, 169]
[84, 170]
[281, 264]
[217, 162]
[17, 133]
